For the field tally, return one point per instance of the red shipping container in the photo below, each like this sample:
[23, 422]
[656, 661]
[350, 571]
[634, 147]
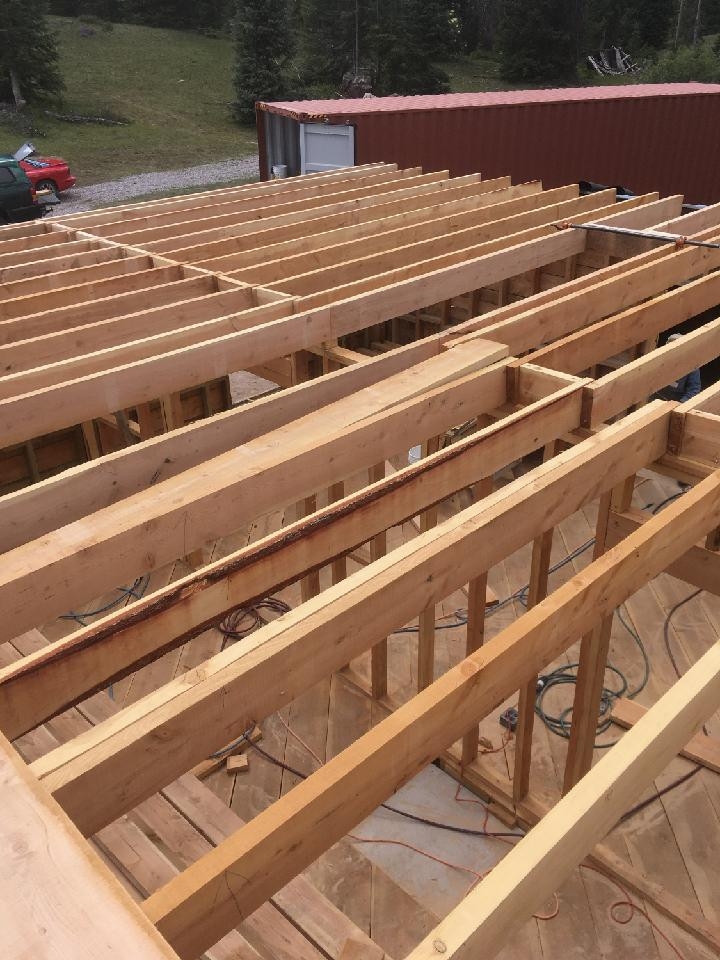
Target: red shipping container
[646, 137]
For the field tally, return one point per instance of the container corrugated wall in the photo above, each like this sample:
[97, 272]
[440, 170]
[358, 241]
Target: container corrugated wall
[670, 144]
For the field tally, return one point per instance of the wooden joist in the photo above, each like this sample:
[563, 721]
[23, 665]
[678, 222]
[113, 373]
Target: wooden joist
[106, 317]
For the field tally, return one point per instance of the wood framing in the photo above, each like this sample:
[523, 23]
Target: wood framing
[393, 310]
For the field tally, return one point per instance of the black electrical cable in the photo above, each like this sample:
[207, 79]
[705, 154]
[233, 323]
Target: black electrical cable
[560, 725]
[136, 591]
[438, 825]
[666, 629]
[452, 828]
[658, 507]
[661, 793]
[241, 621]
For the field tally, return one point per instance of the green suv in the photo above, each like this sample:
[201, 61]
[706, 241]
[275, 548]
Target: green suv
[17, 195]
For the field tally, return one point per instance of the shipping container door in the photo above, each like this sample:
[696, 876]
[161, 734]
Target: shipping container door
[325, 146]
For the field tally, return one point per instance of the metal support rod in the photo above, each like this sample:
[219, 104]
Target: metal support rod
[675, 238]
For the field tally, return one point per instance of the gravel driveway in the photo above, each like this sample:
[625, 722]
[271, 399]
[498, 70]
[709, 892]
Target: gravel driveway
[139, 184]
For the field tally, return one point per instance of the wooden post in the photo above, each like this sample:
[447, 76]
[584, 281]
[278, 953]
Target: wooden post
[503, 292]
[31, 461]
[309, 585]
[712, 541]
[593, 656]
[426, 627]
[537, 591]
[145, 421]
[121, 418]
[172, 412]
[379, 653]
[339, 565]
[539, 567]
[90, 437]
[477, 600]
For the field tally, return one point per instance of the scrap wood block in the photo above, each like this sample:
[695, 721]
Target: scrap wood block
[212, 764]
[237, 764]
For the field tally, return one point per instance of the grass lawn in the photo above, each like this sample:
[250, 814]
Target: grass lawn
[174, 86]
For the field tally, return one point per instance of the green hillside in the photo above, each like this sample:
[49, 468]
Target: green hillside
[174, 87]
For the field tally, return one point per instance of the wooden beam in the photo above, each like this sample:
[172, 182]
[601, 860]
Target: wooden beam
[267, 264]
[443, 240]
[270, 245]
[204, 503]
[594, 648]
[154, 237]
[543, 859]
[76, 341]
[558, 312]
[620, 332]
[98, 776]
[30, 513]
[91, 218]
[292, 225]
[72, 668]
[700, 748]
[637, 380]
[699, 566]
[531, 811]
[64, 404]
[243, 872]
[58, 898]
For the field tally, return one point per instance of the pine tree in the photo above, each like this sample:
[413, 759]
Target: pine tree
[28, 53]
[537, 40]
[328, 42]
[630, 24]
[409, 36]
[262, 49]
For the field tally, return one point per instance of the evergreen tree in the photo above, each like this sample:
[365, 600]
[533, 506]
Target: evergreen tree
[28, 53]
[630, 24]
[328, 44]
[537, 42]
[409, 36]
[262, 49]
[655, 19]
